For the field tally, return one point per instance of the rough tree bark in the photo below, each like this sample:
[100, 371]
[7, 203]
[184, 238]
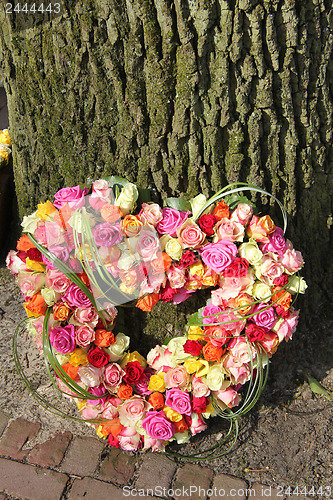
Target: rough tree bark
[181, 96]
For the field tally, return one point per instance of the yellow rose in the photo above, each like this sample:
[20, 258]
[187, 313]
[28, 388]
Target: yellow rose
[133, 356]
[192, 365]
[172, 415]
[173, 248]
[34, 265]
[156, 383]
[195, 333]
[78, 357]
[4, 152]
[101, 433]
[197, 270]
[4, 137]
[204, 370]
[45, 210]
[267, 224]
[80, 403]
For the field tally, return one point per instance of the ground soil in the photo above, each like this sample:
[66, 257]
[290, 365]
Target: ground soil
[286, 439]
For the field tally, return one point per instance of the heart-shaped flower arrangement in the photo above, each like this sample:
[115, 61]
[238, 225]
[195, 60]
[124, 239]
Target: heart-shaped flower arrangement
[91, 252]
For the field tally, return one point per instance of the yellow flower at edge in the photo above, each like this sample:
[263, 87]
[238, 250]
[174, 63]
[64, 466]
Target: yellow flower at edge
[133, 356]
[30, 314]
[156, 383]
[45, 210]
[78, 357]
[34, 265]
[4, 137]
[81, 403]
[4, 155]
[195, 333]
[197, 270]
[209, 408]
[171, 414]
[196, 366]
[101, 432]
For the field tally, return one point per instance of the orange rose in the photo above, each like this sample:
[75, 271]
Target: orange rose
[71, 371]
[161, 263]
[212, 352]
[221, 210]
[114, 427]
[131, 225]
[129, 278]
[84, 278]
[37, 305]
[282, 297]
[62, 217]
[125, 391]
[243, 299]
[147, 302]
[103, 338]
[216, 331]
[110, 213]
[180, 426]
[156, 399]
[267, 224]
[24, 243]
[61, 311]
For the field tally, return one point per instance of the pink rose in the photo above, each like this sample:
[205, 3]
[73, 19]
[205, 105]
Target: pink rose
[133, 410]
[157, 426]
[219, 255]
[179, 401]
[84, 336]
[241, 351]
[229, 230]
[199, 388]
[74, 196]
[87, 315]
[160, 357]
[242, 213]
[292, 260]
[110, 408]
[90, 375]
[148, 244]
[89, 413]
[106, 234]
[30, 282]
[101, 194]
[75, 297]
[176, 277]
[61, 252]
[63, 339]
[177, 377]
[57, 280]
[240, 374]
[40, 233]
[197, 424]
[113, 375]
[154, 444]
[171, 220]
[228, 396]
[54, 235]
[211, 314]
[276, 243]
[190, 235]
[270, 269]
[270, 343]
[285, 328]
[152, 212]
[264, 316]
[14, 263]
[129, 439]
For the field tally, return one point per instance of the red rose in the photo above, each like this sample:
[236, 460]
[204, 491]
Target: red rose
[207, 223]
[167, 293]
[199, 405]
[192, 347]
[134, 372]
[113, 441]
[188, 258]
[98, 357]
[281, 280]
[281, 311]
[237, 269]
[35, 254]
[255, 332]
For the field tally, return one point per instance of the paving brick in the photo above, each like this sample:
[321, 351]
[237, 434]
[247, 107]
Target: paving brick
[31, 483]
[117, 467]
[229, 486]
[82, 456]
[193, 480]
[17, 434]
[4, 419]
[156, 470]
[50, 453]
[91, 489]
[264, 492]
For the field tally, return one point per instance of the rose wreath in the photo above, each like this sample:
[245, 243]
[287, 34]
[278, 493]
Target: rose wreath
[91, 252]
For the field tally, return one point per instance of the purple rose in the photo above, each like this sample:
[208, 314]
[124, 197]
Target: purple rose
[264, 316]
[179, 401]
[74, 196]
[276, 244]
[141, 387]
[171, 220]
[75, 297]
[157, 425]
[106, 234]
[96, 391]
[63, 338]
[219, 255]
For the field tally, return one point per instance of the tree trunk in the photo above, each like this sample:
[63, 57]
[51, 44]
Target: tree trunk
[182, 96]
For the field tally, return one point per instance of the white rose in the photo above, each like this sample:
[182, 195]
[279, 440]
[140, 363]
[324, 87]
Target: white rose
[250, 251]
[261, 291]
[117, 349]
[175, 346]
[174, 249]
[126, 261]
[127, 198]
[296, 285]
[50, 296]
[197, 203]
[62, 358]
[29, 223]
[90, 375]
[215, 377]
[182, 437]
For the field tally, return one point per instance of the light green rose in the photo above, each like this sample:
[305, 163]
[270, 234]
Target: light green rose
[174, 249]
[197, 203]
[261, 291]
[214, 377]
[117, 349]
[251, 252]
[29, 223]
[296, 285]
[176, 347]
[127, 198]
[49, 295]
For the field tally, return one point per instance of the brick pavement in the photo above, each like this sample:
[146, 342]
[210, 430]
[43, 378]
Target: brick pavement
[68, 467]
